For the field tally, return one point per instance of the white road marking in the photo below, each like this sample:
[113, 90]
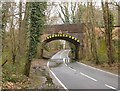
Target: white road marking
[56, 54]
[57, 78]
[64, 59]
[68, 53]
[48, 65]
[109, 86]
[62, 53]
[97, 69]
[88, 76]
[72, 69]
[65, 64]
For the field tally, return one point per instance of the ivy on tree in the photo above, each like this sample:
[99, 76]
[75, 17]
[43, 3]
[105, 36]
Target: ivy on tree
[37, 21]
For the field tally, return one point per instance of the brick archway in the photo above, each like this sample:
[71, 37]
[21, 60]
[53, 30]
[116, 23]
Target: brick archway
[66, 37]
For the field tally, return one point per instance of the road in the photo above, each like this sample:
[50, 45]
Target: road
[80, 76]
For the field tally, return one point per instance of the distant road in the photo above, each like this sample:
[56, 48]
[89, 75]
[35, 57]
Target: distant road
[80, 76]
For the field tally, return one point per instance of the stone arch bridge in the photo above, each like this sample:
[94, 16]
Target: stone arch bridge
[73, 33]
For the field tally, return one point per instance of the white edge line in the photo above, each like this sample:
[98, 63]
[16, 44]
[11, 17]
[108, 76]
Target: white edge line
[97, 69]
[72, 69]
[65, 64]
[61, 53]
[56, 77]
[88, 76]
[56, 54]
[109, 86]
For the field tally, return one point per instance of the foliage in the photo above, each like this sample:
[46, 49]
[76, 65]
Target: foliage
[108, 22]
[37, 21]
[102, 51]
[12, 72]
[80, 13]
[112, 20]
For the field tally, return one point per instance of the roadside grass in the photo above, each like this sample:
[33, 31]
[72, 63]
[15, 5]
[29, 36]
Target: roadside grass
[113, 69]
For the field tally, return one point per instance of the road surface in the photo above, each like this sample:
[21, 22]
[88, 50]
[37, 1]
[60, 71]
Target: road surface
[80, 76]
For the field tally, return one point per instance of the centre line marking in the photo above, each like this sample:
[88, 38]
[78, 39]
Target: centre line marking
[109, 86]
[88, 77]
[98, 69]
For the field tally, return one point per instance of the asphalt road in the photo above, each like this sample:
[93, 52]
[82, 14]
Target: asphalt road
[80, 76]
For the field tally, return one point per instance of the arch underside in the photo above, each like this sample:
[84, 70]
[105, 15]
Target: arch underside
[68, 38]
[61, 38]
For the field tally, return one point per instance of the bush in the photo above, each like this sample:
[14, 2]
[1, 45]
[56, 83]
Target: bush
[12, 72]
[102, 53]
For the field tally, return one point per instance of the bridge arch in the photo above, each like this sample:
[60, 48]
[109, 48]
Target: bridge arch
[62, 36]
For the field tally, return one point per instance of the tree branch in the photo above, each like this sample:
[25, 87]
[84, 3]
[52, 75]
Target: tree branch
[14, 14]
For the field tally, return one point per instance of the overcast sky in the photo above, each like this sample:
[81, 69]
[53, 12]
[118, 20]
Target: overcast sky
[98, 1]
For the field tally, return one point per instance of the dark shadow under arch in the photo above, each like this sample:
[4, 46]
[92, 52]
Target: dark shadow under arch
[65, 37]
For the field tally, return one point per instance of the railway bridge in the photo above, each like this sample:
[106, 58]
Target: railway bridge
[73, 33]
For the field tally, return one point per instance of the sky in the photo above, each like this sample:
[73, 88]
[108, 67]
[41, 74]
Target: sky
[98, 1]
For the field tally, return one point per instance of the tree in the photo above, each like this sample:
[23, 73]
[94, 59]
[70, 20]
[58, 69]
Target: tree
[12, 33]
[37, 21]
[93, 41]
[64, 13]
[51, 11]
[108, 31]
[90, 37]
[80, 13]
[20, 28]
[0, 36]
[5, 10]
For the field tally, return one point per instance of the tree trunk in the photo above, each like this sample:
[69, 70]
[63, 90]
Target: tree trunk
[5, 8]
[20, 28]
[12, 36]
[24, 28]
[91, 33]
[37, 21]
[108, 35]
[27, 67]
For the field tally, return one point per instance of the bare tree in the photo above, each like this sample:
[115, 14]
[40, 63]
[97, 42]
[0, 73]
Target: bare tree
[64, 13]
[90, 33]
[20, 27]
[12, 34]
[93, 41]
[5, 7]
[108, 33]
[50, 13]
